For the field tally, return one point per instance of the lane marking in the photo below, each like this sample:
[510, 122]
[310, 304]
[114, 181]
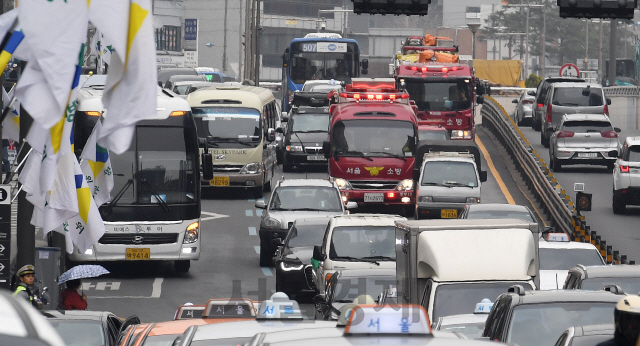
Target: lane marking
[251, 200]
[252, 231]
[257, 248]
[155, 293]
[211, 216]
[494, 172]
[248, 212]
[259, 212]
[266, 271]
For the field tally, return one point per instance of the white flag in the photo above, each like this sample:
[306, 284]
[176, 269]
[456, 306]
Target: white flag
[62, 201]
[11, 124]
[111, 17]
[96, 166]
[131, 90]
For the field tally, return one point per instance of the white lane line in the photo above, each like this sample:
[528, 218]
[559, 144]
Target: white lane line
[252, 231]
[211, 216]
[266, 271]
[257, 248]
[248, 212]
[258, 212]
[155, 293]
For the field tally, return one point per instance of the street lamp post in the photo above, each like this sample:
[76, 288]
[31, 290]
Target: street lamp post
[474, 29]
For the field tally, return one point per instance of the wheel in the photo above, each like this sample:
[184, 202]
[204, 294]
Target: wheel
[551, 162]
[257, 192]
[265, 256]
[610, 167]
[286, 167]
[408, 212]
[544, 140]
[619, 207]
[556, 165]
[279, 156]
[537, 125]
[182, 266]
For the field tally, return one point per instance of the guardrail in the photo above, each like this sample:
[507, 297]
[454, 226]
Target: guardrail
[622, 91]
[540, 181]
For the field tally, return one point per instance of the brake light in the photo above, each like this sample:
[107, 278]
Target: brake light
[549, 113]
[177, 113]
[624, 169]
[609, 134]
[424, 69]
[606, 110]
[391, 195]
[454, 68]
[565, 134]
[540, 105]
[445, 70]
[414, 68]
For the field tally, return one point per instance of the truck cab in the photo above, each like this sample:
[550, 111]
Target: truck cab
[448, 266]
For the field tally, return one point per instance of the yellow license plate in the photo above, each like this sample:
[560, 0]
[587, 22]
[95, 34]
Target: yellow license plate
[220, 181]
[448, 213]
[138, 254]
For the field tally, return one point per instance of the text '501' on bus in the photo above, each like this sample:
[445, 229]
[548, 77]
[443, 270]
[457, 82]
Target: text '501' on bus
[318, 56]
[443, 89]
[372, 143]
[238, 125]
[154, 211]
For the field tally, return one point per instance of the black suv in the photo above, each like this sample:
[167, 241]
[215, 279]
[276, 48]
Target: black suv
[541, 95]
[533, 318]
[596, 277]
[307, 129]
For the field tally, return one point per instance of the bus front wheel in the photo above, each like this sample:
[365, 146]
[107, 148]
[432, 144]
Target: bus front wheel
[182, 266]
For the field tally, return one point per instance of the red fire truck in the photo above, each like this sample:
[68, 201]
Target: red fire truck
[442, 88]
[372, 143]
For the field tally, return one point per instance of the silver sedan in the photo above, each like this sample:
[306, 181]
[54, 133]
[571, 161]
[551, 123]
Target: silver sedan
[583, 139]
[524, 107]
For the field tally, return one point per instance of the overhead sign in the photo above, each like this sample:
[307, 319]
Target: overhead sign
[569, 70]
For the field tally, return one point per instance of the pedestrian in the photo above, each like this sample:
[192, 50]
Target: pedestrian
[71, 298]
[26, 275]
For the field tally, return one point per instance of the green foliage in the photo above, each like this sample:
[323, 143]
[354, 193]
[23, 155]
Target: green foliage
[533, 81]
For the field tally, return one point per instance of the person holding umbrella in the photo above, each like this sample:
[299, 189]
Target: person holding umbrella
[71, 298]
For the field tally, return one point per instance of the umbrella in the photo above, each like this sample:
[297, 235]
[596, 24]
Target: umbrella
[82, 271]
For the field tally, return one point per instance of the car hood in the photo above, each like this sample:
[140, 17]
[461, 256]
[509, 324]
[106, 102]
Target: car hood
[302, 253]
[552, 279]
[286, 217]
[311, 139]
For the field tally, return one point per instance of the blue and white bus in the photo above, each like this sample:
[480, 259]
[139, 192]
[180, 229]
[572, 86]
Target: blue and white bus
[323, 56]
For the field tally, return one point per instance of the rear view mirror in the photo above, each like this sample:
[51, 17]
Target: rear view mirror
[613, 153]
[260, 205]
[351, 205]
[326, 149]
[483, 176]
[207, 166]
[608, 101]
[317, 253]
[531, 93]
[279, 130]
[514, 101]
[617, 129]
[319, 299]
[479, 99]
[365, 66]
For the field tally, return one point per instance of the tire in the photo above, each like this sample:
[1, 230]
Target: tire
[182, 266]
[286, 168]
[408, 212]
[551, 162]
[537, 125]
[619, 207]
[610, 167]
[544, 140]
[279, 156]
[265, 257]
[266, 186]
[257, 192]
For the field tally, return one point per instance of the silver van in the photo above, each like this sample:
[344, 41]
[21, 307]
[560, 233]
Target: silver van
[568, 98]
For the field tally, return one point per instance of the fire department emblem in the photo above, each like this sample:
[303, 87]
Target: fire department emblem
[374, 170]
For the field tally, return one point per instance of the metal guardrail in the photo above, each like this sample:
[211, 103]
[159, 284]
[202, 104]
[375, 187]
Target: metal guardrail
[622, 91]
[539, 179]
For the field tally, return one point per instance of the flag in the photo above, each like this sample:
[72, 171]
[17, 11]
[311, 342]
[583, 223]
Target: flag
[96, 166]
[130, 93]
[13, 42]
[54, 31]
[111, 18]
[62, 202]
[96, 50]
[11, 124]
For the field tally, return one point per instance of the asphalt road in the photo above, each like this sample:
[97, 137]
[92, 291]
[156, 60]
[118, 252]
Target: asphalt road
[228, 265]
[620, 231]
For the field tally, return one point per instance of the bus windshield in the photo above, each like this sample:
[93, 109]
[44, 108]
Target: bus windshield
[439, 96]
[157, 165]
[323, 60]
[241, 126]
[373, 138]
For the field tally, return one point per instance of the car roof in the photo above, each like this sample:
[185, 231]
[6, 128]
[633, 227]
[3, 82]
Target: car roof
[587, 117]
[498, 206]
[633, 140]
[566, 296]
[365, 220]
[464, 318]
[368, 273]
[311, 221]
[562, 79]
[185, 77]
[76, 315]
[577, 85]
[437, 340]
[247, 329]
[311, 110]
[592, 330]
[305, 182]
[566, 245]
[617, 271]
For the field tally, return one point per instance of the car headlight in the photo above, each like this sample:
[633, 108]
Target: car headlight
[288, 266]
[405, 185]
[251, 168]
[425, 199]
[461, 134]
[473, 200]
[271, 223]
[294, 148]
[342, 184]
[191, 235]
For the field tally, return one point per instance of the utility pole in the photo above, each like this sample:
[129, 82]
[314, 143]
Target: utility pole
[600, 62]
[247, 39]
[239, 40]
[543, 59]
[526, 47]
[224, 40]
[611, 76]
[257, 55]
[586, 47]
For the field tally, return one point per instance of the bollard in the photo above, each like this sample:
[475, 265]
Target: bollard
[632, 262]
[603, 249]
[587, 233]
[582, 240]
[623, 259]
[616, 257]
[592, 239]
[609, 258]
[598, 240]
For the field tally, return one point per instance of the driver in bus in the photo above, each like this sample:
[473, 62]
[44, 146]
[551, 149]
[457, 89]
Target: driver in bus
[342, 71]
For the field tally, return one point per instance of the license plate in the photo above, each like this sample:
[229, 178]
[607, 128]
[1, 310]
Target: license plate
[374, 197]
[220, 181]
[316, 158]
[138, 254]
[591, 155]
[448, 213]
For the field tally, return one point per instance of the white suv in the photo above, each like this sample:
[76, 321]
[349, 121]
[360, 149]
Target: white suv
[626, 176]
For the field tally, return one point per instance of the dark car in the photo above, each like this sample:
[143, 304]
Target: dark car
[586, 335]
[79, 327]
[539, 110]
[182, 78]
[535, 318]
[347, 285]
[294, 274]
[165, 73]
[307, 129]
[596, 277]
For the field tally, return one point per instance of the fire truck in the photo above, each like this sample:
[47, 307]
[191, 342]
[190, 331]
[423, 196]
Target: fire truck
[372, 143]
[443, 89]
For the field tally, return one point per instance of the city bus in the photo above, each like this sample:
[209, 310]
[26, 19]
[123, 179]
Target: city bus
[154, 211]
[319, 56]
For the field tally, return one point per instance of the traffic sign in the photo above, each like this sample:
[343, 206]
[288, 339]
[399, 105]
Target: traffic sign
[569, 70]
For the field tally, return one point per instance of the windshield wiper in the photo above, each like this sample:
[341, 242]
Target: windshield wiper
[119, 195]
[159, 199]
[390, 155]
[432, 184]
[281, 209]
[382, 258]
[453, 183]
[354, 152]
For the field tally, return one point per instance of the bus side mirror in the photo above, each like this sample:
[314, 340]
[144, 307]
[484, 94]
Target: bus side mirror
[365, 66]
[479, 99]
[326, 149]
[207, 166]
[317, 253]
